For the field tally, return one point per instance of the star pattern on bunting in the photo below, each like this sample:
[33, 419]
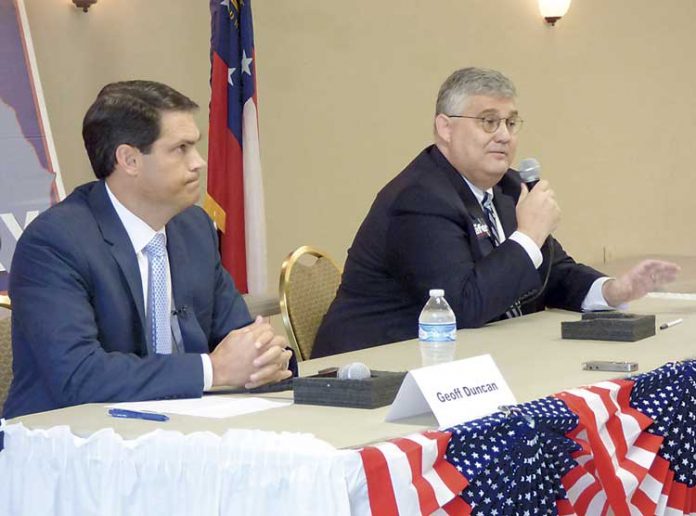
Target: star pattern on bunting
[668, 396]
[514, 463]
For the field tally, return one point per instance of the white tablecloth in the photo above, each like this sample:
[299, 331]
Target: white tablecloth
[54, 472]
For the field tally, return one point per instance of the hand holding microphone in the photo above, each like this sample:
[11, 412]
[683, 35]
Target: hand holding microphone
[538, 214]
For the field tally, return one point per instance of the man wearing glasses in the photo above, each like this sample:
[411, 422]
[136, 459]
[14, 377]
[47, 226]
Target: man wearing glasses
[458, 218]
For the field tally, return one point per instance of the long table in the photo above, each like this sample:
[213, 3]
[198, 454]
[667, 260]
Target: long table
[529, 351]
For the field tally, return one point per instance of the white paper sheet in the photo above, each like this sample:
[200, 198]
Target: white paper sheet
[675, 296]
[208, 406]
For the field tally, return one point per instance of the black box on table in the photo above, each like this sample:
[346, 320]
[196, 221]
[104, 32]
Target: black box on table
[377, 391]
[616, 326]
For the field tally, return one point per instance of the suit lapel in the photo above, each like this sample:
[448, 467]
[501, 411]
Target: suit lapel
[481, 244]
[121, 247]
[181, 289]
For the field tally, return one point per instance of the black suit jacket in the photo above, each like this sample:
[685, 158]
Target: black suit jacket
[420, 234]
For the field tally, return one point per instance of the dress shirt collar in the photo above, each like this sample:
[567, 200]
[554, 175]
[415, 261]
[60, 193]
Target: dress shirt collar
[139, 232]
[477, 191]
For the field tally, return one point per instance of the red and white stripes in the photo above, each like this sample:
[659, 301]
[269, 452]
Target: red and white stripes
[619, 469]
[410, 476]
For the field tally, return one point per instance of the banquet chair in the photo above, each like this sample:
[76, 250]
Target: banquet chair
[5, 351]
[309, 279]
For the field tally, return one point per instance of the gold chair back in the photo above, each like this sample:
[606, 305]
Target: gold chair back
[5, 350]
[306, 291]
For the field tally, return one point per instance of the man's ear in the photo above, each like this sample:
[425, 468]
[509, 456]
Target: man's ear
[443, 127]
[128, 158]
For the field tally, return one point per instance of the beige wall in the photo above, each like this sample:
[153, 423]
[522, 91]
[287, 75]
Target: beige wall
[347, 93]
[77, 53]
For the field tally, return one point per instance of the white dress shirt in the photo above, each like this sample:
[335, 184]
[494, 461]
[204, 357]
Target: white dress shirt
[594, 299]
[140, 234]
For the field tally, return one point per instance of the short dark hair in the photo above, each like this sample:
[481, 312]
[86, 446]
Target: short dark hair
[127, 112]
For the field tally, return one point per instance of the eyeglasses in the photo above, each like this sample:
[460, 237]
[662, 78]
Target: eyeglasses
[490, 123]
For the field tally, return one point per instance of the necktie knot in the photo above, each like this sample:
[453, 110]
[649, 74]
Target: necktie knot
[156, 247]
[487, 201]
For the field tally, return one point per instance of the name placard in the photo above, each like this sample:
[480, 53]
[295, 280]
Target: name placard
[454, 392]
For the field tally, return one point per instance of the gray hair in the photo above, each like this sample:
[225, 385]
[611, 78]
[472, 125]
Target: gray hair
[468, 82]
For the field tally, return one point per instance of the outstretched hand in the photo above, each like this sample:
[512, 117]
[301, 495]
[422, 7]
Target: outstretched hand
[647, 276]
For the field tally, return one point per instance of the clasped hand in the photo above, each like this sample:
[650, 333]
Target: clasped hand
[251, 356]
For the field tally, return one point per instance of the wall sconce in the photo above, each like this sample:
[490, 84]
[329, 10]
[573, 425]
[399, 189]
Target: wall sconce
[84, 4]
[552, 10]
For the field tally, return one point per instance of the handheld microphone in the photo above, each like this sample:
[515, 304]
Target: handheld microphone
[354, 371]
[530, 171]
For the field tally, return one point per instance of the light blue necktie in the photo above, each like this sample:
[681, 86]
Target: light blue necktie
[487, 203]
[158, 298]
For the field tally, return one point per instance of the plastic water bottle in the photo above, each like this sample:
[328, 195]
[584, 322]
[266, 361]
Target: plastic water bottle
[437, 330]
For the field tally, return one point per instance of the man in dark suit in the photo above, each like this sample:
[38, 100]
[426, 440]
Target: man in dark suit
[433, 226]
[118, 293]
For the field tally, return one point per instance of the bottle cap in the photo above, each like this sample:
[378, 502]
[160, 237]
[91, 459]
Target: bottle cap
[436, 292]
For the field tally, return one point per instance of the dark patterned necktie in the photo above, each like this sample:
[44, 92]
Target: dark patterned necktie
[487, 203]
[491, 219]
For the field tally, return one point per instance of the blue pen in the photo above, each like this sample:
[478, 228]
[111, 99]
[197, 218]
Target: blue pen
[136, 414]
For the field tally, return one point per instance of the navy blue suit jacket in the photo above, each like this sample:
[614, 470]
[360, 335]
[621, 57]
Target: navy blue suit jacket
[78, 318]
[419, 234]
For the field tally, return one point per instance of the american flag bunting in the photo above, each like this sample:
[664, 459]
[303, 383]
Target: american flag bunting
[620, 447]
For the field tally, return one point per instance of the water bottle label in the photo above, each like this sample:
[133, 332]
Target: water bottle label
[446, 332]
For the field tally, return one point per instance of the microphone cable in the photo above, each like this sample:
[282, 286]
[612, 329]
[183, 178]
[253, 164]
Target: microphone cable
[529, 171]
